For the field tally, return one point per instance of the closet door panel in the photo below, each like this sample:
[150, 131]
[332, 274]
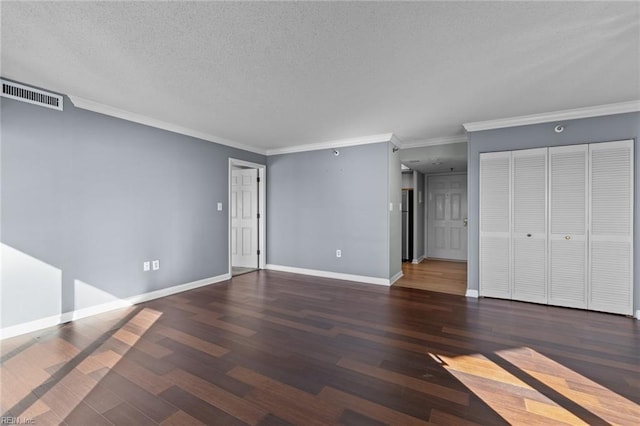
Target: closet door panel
[567, 273]
[529, 231]
[529, 271]
[611, 224]
[495, 192]
[611, 277]
[494, 267]
[495, 189]
[568, 191]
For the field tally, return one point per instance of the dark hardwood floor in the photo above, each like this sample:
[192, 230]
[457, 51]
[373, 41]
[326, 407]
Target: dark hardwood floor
[276, 348]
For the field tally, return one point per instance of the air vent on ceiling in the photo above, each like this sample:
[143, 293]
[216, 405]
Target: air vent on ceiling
[31, 95]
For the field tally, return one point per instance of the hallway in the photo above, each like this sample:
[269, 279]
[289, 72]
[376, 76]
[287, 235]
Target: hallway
[442, 276]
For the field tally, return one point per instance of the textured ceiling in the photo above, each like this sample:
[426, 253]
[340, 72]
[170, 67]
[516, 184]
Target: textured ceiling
[273, 75]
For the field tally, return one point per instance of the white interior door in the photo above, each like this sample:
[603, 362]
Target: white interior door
[611, 225]
[244, 218]
[446, 218]
[568, 192]
[495, 224]
[529, 231]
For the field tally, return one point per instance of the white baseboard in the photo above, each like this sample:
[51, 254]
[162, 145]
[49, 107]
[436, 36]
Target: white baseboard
[178, 289]
[418, 260]
[471, 293]
[396, 277]
[638, 314]
[328, 274]
[28, 327]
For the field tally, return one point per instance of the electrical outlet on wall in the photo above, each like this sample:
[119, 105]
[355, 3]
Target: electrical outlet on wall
[156, 265]
[146, 266]
[338, 253]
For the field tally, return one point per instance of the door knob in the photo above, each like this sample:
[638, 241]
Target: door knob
[567, 237]
[464, 222]
[528, 235]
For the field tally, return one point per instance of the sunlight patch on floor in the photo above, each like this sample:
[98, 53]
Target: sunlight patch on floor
[597, 399]
[63, 397]
[529, 398]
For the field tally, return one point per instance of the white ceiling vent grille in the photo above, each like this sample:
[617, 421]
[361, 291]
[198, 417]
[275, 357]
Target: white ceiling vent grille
[31, 95]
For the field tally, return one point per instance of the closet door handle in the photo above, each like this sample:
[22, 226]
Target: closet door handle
[567, 237]
[528, 235]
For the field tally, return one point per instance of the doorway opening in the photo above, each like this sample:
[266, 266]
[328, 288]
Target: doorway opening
[434, 217]
[247, 201]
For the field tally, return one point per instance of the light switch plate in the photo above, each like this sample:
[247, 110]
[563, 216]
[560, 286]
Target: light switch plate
[219, 207]
[146, 266]
[156, 265]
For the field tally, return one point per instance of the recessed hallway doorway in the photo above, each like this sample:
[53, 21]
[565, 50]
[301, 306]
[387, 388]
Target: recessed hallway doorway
[247, 198]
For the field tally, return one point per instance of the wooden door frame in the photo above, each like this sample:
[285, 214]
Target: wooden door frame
[262, 203]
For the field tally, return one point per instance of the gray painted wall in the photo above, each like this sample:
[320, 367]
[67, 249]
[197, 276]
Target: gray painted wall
[426, 215]
[395, 215]
[318, 202]
[90, 197]
[419, 229]
[588, 130]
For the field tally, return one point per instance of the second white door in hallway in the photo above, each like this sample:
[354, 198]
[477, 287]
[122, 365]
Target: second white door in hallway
[446, 217]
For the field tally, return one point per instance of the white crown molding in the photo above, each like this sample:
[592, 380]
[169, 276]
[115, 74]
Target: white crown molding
[329, 274]
[569, 114]
[445, 140]
[340, 143]
[396, 141]
[51, 321]
[90, 105]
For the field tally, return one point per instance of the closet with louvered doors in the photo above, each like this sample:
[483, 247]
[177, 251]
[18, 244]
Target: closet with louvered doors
[495, 224]
[610, 260]
[529, 225]
[556, 226]
[568, 194]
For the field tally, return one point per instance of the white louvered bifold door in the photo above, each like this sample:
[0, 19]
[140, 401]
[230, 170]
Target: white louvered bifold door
[529, 225]
[495, 192]
[610, 286]
[568, 191]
